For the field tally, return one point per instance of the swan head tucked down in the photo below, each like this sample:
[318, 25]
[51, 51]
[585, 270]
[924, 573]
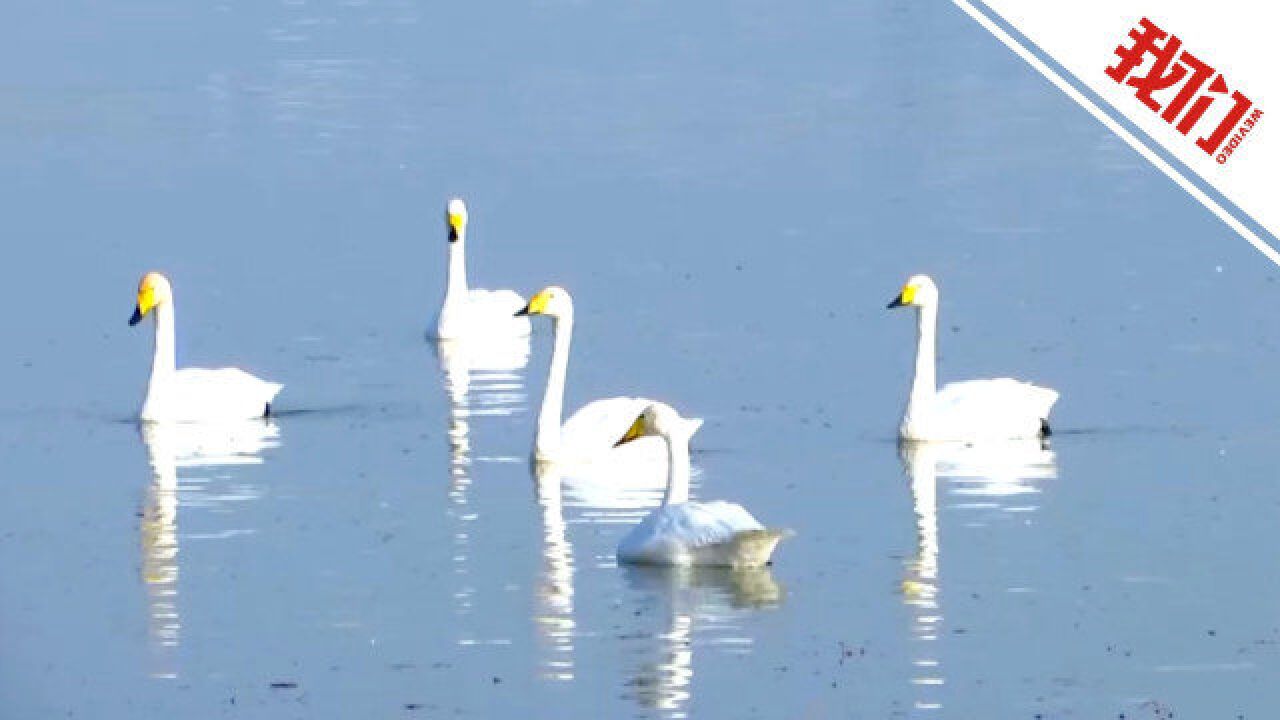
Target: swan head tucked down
[455, 215]
[919, 291]
[662, 420]
[553, 301]
[153, 291]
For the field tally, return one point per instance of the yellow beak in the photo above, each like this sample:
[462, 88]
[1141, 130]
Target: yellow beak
[146, 302]
[636, 430]
[455, 226]
[906, 297]
[537, 304]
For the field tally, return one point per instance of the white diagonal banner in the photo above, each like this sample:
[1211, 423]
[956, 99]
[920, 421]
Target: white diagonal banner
[1189, 85]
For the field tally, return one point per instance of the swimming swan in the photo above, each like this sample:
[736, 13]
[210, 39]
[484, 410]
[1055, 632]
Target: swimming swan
[592, 431]
[681, 532]
[192, 394]
[473, 313]
[973, 410]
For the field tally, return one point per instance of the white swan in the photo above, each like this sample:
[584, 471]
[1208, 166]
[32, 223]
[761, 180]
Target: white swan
[973, 410]
[473, 313]
[592, 432]
[192, 394]
[681, 532]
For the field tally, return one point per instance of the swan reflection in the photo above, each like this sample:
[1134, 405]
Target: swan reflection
[482, 379]
[553, 616]
[624, 495]
[600, 502]
[687, 607]
[198, 450]
[997, 479]
[997, 471]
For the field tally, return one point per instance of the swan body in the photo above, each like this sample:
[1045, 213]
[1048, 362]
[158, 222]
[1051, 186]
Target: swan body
[199, 394]
[1001, 408]
[681, 532]
[996, 409]
[714, 533]
[192, 394]
[466, 312]
[591, 433]
[598, 425]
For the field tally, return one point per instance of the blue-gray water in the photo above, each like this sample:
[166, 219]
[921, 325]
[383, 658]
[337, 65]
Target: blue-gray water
[732, 193]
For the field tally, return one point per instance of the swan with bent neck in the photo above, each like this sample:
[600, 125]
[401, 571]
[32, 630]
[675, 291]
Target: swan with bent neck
[192, 394]
[473, 313]
[994, 409]
[590, 434]
[681, 532]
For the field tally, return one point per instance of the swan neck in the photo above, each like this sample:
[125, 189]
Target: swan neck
[549, 417]
[163, 360]
[456, 282]
[924, 386]
[677, 471]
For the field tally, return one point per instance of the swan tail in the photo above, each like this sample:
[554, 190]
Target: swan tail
[272, 389]
[753, 548]
[1045, 398]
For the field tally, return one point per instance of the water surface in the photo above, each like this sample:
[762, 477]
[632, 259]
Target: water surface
[732, 194]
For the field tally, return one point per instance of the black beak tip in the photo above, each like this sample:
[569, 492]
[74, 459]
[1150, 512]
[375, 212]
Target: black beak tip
[897, 302]
[453, 234]
[522, 312]
[135, 318]
[620, 442]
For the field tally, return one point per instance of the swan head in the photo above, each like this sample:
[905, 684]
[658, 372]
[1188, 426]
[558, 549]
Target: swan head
[455, 214]
[552, 301]
[659, 419]
[919, 291]
[153, 291]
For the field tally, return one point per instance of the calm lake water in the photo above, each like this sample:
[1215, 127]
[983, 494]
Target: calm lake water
[732, 193]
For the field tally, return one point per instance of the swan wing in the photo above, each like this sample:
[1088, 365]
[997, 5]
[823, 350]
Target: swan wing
[498, 301]
[494, 312]
[1000, 407]
[705, 523]
[481, 313]
[600, 424]
[589, 456]
[700, 533]
[221, 393]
